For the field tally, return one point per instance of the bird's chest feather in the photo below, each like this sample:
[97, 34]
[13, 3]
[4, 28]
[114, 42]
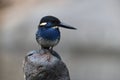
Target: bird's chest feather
[49, 34]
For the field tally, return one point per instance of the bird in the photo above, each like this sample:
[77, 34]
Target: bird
[48, 33]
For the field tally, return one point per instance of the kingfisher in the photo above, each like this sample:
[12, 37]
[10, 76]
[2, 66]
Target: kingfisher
[48, 33]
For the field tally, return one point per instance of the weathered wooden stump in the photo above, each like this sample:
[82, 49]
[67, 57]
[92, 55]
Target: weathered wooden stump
[44, 65]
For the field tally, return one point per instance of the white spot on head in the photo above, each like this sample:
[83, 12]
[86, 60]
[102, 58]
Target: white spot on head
[42, 24]
[55, 27]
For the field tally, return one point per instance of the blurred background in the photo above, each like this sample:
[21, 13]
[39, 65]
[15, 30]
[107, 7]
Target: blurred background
[92, 52]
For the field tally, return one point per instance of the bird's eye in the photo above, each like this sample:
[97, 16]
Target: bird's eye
[43, 24]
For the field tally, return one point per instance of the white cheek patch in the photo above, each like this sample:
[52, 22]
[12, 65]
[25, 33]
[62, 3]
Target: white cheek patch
[42, 24]
[55, 27]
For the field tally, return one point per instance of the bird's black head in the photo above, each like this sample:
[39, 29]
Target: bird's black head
[51, 21]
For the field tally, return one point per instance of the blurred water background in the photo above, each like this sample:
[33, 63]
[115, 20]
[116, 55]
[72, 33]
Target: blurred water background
[92, 52]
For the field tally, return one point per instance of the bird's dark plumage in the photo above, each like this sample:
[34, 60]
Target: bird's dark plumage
[48, 34]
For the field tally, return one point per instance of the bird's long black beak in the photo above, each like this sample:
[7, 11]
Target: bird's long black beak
[66, 26]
